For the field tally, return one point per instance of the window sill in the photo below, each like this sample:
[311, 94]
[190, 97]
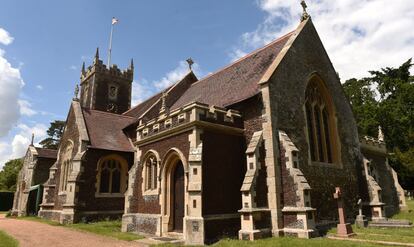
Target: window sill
[109, 195]
[62, 193]
[327, 165]
[150, 192]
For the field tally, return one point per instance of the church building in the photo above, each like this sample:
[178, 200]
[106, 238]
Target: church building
[255, 149]
[33, 174]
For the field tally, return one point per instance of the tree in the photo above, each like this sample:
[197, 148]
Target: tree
[393, 110]
[54, 133]
[361, 96]
[8, 176]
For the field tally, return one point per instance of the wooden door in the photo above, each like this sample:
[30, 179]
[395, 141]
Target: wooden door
[178, 196]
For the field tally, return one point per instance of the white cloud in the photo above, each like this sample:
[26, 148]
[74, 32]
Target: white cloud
[20, 142]
[5, 37]
[143, 89]
[39, 131]
[11, 83]
[39, 87]
[73, 67]
[359, 35]
[26, 108]
[174, 75]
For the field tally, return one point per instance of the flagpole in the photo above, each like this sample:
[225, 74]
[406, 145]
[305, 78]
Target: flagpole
[110, 45]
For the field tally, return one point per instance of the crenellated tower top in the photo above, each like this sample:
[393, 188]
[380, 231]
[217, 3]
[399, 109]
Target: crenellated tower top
[106, 89]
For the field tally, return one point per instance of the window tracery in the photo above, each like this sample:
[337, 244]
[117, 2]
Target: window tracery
[320, 123]
[111, 176]
[66, 166]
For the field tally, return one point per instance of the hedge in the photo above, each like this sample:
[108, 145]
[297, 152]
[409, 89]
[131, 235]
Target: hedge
[6, 200]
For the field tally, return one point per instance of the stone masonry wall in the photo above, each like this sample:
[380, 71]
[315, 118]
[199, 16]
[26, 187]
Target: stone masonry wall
[41, 172]
[224, 166]
[151, 204]
[287, 92]
[72, 133]
[385, 180]
[87, 201]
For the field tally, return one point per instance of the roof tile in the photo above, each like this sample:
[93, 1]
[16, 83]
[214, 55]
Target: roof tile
[236, 82]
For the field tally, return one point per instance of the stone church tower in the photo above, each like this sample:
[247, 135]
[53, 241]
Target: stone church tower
[106, 89]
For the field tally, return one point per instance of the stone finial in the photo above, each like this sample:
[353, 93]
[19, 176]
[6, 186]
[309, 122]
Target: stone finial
[76, 92]
[380, 134]
[83, 71]
[163, 104]
[131, 65]
[190, 63]
[96, 55]
[305, 14]
[31, 143]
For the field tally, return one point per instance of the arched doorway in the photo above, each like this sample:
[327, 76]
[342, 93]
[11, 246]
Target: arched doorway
[173, 194]
[177, 195]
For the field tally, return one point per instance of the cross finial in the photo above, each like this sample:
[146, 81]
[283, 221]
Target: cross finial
[31, 143]
[305, 14]
[190, 63]
[76, 92]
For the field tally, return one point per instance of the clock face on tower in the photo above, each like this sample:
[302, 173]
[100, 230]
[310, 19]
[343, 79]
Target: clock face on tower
[112, 107]
[112, 92]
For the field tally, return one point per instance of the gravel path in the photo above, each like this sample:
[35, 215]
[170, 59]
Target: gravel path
[35, 234]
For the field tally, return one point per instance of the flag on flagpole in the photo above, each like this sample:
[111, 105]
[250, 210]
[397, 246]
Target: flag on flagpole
[114, 20]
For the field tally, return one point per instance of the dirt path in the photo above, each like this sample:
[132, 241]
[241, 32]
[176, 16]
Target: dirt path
[35, 234]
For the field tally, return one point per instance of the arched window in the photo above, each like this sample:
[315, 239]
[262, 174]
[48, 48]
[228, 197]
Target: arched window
[112, 175]
[321, 126]
[66, 163]
[151, 170]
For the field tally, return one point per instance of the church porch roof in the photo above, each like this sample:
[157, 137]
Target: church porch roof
[105, 130]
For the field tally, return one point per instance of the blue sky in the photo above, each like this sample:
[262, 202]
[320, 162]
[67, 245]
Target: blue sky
[43, 44]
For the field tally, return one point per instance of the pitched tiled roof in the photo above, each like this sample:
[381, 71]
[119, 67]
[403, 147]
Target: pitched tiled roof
[174, 92]
[236, 82]
[105, 130]
[46, 153]
[142, 107]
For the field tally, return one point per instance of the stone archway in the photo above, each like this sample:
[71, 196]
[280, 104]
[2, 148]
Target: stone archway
[173, 194]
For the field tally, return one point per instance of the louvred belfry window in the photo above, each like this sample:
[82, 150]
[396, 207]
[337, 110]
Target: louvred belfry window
[320, 122]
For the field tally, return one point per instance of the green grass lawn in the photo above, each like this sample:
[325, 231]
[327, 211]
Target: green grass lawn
[401, 235]
[289, 241]
[408, 213]
[285, 241]
[109, 228]
[378, 234]
[7, 241]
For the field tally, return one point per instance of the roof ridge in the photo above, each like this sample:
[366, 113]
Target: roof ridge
[146, 100]
[158, 92]
[167, 90]
[246, 56]
[107, 113]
